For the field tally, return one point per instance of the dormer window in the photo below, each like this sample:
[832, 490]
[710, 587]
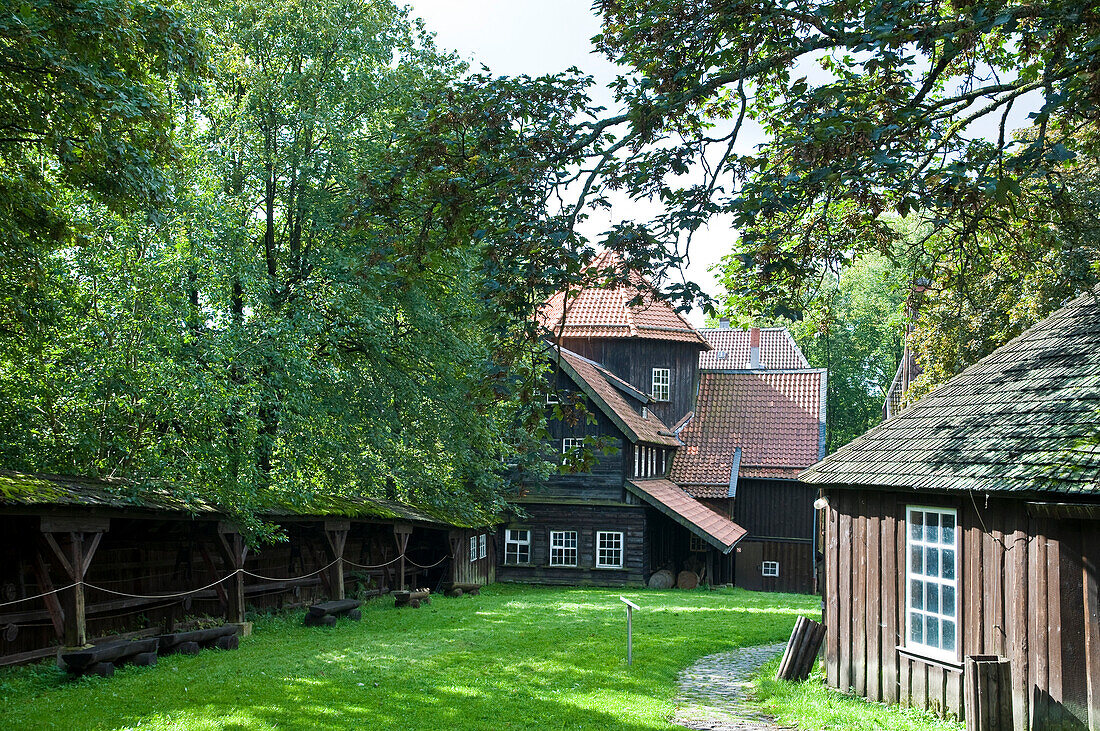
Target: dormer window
[645, 412]
[662, 377]
[721, 355]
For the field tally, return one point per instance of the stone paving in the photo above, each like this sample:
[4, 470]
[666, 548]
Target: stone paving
[713, 691]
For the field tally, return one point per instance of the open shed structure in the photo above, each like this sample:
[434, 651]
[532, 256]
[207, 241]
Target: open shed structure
[81, 559]
[969, 524]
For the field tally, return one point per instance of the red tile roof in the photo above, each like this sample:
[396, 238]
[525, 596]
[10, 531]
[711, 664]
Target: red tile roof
[605, 312]
[778, 350]
[775, 418]
[717, 530]
[605, 390]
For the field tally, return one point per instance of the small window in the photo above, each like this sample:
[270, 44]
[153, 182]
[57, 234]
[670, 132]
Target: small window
[770, 568]
[661, 380]
[482, 545]
[645, 412]
[570, 443]
[473, 548]
[552, 398]
[517, 547]
[609, 550]
[932, 568]
[563, 548]
[697, 544]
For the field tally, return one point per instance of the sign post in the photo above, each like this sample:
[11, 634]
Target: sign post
[630, 607]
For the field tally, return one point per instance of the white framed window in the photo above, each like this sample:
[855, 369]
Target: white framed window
[563, 548]
[482, 545]
[473, 548]
[652, 462]
[637, 460]
[661, 379]
[517, 546]
[570, 442]
[552, 398]
[769, 568]
[697, 544]
[609, 550]
[931, 573]
[645, 412]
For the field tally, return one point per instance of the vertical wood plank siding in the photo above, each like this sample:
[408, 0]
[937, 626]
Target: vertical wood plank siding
[1028, 589]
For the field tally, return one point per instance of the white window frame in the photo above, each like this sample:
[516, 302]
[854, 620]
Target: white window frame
[602, 551]
[944, 585]
[560, 542]
[769, 569]
[516, 546]
[552, 398]
[661, 384]
[473, 548]
[483, 545]
[570, 442]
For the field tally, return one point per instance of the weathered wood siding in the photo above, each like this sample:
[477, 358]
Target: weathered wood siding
[479, 570]
[586, 520]
[775, 508]
[795, 561]
[1027, 591]
[633, 360]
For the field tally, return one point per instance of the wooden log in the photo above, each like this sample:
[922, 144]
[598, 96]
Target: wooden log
[355, 615]
[102, 669]
[81, 659]
[802, 650]
[796, 634]
[228, 642]
[687, 580]
[338, 607]
[188, 648]
[207, 636]
[988, 693]
[144, 659]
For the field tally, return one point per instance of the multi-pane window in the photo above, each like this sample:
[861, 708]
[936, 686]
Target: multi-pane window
[769, 568]
[571, 442]
[609, 550]
[552, 398]
[482, 545]
[697, 544]
[563, 548]
[932, 570]
[473, 548]
[661, 380]
[517, 546]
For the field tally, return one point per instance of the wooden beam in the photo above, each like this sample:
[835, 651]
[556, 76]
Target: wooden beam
[73, 524]
[336, 536]
[53, 604]
[235, 552]
[1091, 581]
[402, 537]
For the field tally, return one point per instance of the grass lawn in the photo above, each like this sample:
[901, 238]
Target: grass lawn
[514, 657]
[812, 705]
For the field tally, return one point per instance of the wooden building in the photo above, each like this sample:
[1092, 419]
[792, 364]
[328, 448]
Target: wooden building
[82, 559]
[635, 364]
[969, 524]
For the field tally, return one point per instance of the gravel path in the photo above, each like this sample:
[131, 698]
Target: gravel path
[713, 690]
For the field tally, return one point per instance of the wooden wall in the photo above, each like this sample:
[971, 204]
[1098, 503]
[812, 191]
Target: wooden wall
[775, 508]
[795, 560]
[633, 359]
[586, 520]
[477, 571]
[1028, 592]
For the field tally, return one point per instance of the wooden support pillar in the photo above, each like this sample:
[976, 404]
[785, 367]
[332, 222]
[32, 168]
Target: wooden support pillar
[84, 535]
[401, 533]
[1091, 580]
[458, 544]
[336, 536]
[234, 551]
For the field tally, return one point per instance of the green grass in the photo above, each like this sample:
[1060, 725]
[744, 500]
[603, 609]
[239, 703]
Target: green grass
[514, 657]
[813, 705]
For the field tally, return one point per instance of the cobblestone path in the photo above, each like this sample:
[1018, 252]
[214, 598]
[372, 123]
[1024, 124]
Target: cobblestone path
[713, 691]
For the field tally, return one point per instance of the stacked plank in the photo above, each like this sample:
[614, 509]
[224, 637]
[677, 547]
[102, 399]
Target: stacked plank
[802, 648]
[102, 659]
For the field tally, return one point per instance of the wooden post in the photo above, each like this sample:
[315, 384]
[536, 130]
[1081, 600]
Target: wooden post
[84, 537]
[1091, 582]
[630, 607]
[988, 701]
[234, 551]
[401, 533]
[336, 535]
[802, 650]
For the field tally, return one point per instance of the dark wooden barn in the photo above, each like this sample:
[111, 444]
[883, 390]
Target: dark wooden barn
[83, 559]
[969, 524]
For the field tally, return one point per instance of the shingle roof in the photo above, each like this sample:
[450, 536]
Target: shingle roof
[715, 529]
[1020, 419]
[778, 350]
[605, 312]
[604, 389]
[775, 418]
[32, 491]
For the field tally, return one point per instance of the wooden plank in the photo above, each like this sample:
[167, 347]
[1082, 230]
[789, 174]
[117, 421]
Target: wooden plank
[873, 599]
[53, 604]
[1016, 597]
[73, 524]
[1090, 569]
[1038, 610]
[1054, 616]
[889, 601]
[973, 578]
[953, 693]
[937, 694]
[859, 599]
[832, 609]
[919, 680]
[996, 581]
[845, 678]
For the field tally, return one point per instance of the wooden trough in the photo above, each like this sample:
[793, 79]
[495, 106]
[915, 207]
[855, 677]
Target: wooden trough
[325, 613]
[458, 588]
[101, 659]
[223, 637]
[412, 598]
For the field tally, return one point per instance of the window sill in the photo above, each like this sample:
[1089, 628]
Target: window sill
[607, 568]
[953, 665]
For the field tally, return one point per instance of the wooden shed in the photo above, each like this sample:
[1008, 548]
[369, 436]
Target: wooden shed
[969, 524]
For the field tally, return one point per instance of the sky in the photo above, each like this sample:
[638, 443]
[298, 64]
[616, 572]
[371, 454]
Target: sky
[537, 37]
